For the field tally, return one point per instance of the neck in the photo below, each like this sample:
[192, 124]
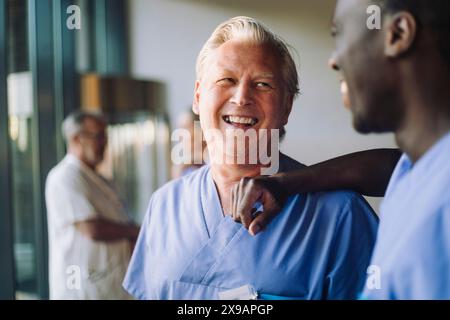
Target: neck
[416, 138]
[226, 176]
[79, 156]
[427, 115]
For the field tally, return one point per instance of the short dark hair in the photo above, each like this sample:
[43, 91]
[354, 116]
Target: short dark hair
[434, 14]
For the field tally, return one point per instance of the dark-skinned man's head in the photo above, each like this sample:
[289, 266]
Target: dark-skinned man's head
[375, 63]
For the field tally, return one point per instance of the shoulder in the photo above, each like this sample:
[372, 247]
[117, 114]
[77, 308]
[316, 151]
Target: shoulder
[342, 199]
[65, 175]
[182, 185]
[174, 206]
[330, 205]
[179, 193]
[289, 164]
[341, 205]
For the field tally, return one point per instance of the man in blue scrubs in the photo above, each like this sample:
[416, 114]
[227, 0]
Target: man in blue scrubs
[395, 79]
[189, 247]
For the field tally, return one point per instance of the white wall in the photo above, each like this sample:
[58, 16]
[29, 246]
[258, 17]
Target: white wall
[166, 36]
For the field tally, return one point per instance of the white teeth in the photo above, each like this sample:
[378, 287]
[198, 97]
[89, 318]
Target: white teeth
[240, 120]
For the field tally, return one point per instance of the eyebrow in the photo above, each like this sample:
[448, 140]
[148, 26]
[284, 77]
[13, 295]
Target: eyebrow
[266, 75]
[258, 76]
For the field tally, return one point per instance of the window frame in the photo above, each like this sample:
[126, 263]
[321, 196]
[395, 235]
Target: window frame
[52, 62]
[7, 273]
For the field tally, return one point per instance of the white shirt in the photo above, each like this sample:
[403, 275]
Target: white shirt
[81, 268]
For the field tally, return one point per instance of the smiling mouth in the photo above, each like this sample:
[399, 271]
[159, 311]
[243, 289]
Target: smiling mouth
[240, 121]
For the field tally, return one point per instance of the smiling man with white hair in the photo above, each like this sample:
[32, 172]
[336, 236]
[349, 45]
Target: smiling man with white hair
[190, 247]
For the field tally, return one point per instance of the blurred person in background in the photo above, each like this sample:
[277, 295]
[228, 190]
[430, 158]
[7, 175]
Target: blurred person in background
[90, 234]
[189, 121]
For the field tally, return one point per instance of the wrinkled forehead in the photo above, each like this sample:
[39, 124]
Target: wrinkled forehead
[236, 54]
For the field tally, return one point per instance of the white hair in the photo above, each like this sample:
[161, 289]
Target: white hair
[73, 123]
[253, 31]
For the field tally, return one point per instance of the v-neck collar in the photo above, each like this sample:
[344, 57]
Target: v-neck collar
[212, 210]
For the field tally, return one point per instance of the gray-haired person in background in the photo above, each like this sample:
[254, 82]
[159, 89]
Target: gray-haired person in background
[90, 234]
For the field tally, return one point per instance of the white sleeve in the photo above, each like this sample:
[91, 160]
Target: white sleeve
[68, 200]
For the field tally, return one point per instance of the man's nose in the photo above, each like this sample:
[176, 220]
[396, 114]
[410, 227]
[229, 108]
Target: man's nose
[332, 62]
[242, 95]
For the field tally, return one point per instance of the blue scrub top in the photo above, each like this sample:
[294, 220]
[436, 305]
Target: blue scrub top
[412, 253]
[318, 247]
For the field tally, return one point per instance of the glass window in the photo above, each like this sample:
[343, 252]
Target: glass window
[20, 115]
[132, 159]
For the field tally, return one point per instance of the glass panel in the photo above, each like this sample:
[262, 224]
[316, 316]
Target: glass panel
[20, 112]
[130, 160]
[163, 161]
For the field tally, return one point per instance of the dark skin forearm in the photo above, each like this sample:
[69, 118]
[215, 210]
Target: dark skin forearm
[366, 172]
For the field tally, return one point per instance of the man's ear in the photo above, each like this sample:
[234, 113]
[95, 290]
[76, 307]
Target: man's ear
[75, 138]
[401, 34]
[196, 102]
[74, 141]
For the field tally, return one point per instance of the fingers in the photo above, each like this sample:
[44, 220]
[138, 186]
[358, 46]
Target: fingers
[262, 220]
[271, 209]
[233, 205]
[243, 196]
[249, 193]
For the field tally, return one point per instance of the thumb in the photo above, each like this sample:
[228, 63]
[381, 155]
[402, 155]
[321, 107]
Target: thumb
[260, 222]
